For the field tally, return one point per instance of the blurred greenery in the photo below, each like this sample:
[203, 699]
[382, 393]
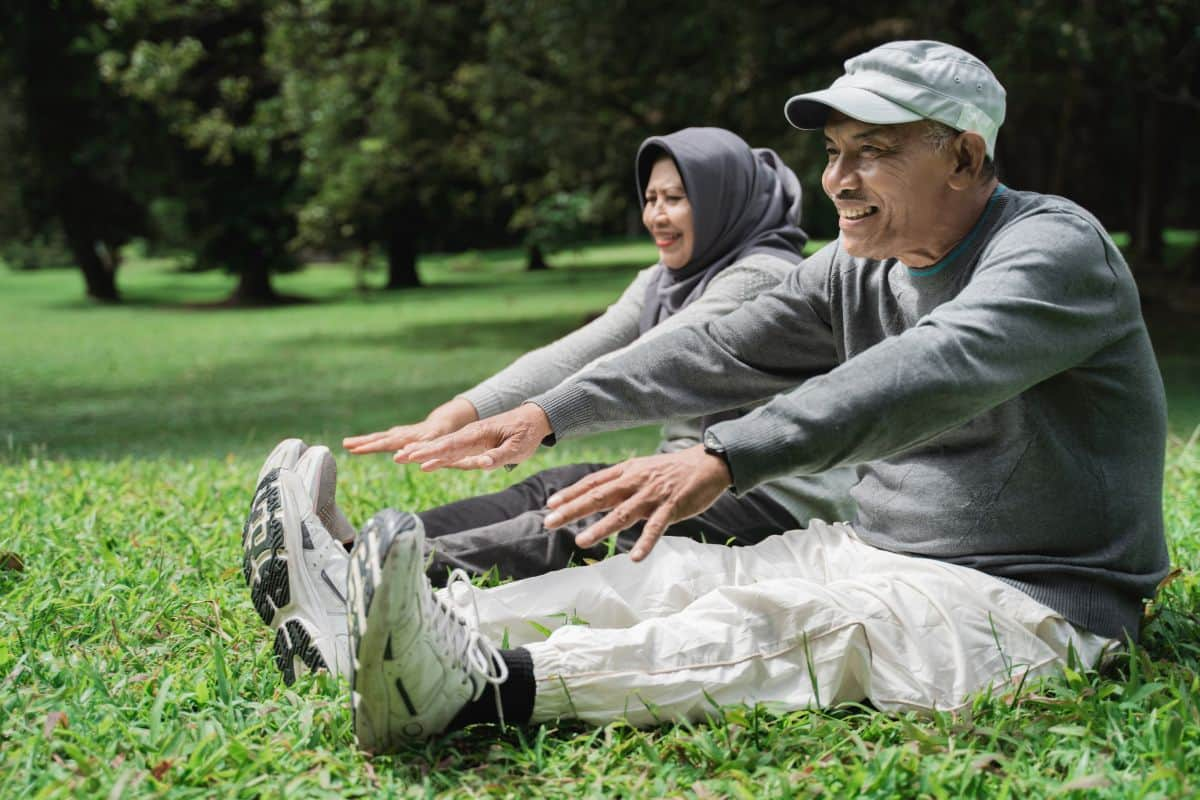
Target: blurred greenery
[163, 376]
[252, 134]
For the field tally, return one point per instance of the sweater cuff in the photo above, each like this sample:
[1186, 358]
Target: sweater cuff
[754, 454]
[487, 402]
[569, 410]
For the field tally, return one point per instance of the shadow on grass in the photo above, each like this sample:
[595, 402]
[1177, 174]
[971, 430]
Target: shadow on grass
[220, 412]
[188, 294]
[519, 333]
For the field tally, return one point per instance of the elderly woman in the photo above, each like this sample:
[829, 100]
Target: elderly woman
[724, 218]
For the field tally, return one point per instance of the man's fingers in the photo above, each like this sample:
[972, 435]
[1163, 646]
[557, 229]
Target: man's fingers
[492, 459]
[617, 520]
[653, 530]
[601, 497]
[445, 449]
[584, 486]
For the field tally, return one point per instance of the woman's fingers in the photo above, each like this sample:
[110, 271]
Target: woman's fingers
[364, 443]
[389, 440]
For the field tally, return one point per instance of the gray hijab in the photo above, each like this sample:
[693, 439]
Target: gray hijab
[743, 201]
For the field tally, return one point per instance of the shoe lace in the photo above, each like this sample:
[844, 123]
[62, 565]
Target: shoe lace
[472, 650]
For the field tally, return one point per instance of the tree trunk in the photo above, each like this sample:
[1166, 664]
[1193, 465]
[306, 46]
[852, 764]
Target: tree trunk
[402, 260]
[1149, 222]
[254, 287]
[537, 261]
[100, 279]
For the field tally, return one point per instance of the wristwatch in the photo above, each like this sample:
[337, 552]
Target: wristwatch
[713, 446]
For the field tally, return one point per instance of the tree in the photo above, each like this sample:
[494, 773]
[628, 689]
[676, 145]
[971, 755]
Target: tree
[76, 141]
[200, 65]
[377, 95]
[570, 90]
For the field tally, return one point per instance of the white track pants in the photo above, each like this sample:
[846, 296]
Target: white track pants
[808, 618]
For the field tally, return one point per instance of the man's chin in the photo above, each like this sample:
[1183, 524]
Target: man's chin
[857, 247]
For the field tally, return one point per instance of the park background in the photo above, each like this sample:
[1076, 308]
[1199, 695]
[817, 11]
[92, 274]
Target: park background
[224, 223]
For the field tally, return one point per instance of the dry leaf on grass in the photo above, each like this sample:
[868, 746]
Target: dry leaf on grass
[53, 720]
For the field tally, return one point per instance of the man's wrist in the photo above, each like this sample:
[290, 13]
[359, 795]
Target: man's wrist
[713, 447]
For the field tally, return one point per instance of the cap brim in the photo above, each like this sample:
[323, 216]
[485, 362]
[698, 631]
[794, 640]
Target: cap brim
[809, 111]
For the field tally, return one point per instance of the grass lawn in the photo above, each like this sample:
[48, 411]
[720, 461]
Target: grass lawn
[132, 662]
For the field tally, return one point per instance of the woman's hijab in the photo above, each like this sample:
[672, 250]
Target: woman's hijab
[743, 201]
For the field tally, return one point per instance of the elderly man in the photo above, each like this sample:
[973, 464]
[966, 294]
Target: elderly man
[977, 351]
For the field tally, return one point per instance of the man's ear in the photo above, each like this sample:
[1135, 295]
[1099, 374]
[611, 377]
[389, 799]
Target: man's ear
[969, 151]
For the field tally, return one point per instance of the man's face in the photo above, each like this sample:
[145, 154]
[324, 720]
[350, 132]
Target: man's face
[890, 188]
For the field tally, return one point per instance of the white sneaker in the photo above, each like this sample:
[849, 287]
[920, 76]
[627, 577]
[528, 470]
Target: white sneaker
[415, 661]
[319, 472]
[284, 456]
[322, 482]
[296, 571]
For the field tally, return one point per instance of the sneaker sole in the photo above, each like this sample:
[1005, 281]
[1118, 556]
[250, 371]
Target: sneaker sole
[265, 569]
[369, 642]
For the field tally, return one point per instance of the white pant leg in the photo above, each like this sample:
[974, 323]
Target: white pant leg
[902, 632]
[618, 593]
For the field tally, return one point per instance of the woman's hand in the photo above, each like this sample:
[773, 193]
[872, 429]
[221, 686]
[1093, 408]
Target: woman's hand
[662, 489]
[446, 418]
[503, 440]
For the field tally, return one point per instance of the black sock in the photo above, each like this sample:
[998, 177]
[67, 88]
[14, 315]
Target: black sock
[516, 695]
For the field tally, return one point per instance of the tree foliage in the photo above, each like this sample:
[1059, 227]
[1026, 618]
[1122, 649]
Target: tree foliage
[71, 143]
[375, 92]
[279, 127]
[201, 66]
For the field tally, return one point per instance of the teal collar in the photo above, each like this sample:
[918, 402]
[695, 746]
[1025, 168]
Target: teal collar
[961, 247]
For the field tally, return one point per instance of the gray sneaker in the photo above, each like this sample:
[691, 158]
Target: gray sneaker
[296, 571]
[416, 662]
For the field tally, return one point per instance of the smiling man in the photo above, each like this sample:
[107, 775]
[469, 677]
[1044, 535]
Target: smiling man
[977, 352]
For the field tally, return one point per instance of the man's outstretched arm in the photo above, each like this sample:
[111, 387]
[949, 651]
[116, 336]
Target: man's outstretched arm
[768, 345]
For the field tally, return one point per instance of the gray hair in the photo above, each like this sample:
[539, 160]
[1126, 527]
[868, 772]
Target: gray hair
[939, 135]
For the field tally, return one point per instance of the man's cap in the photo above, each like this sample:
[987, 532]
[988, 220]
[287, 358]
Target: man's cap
[907, 81]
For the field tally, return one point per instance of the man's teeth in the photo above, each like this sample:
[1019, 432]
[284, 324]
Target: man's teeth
[858, 213]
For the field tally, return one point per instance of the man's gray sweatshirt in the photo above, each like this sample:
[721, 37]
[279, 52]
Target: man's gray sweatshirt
[1003, 406]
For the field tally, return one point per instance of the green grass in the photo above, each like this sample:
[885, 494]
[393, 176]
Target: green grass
[132, 663]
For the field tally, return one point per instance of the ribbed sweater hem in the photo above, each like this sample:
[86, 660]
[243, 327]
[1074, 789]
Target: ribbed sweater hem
[487, 402]
[569, 410]
[1084, 603]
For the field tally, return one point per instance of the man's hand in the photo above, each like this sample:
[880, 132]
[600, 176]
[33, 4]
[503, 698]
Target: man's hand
[498, 441]
[662, 489]
[446, 418]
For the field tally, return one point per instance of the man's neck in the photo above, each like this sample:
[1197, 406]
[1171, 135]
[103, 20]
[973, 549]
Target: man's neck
[960, 217]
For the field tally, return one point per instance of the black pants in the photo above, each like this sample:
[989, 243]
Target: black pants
[503, 531]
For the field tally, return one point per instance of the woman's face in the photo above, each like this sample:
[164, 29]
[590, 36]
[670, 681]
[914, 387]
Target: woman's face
[668, 215]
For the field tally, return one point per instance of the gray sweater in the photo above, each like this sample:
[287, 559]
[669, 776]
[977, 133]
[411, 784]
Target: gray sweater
[1004, 405]
[804, 496]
